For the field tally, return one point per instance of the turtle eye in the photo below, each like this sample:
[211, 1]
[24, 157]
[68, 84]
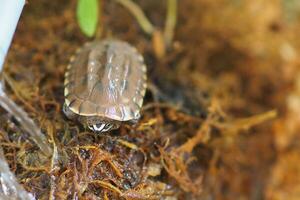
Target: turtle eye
[107, 127]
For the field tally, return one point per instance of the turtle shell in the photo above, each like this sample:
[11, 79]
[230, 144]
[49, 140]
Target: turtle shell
[106, 79]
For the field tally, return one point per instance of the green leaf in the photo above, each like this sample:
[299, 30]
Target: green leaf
[87, 16]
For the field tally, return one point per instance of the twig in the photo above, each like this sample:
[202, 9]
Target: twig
[237, 125]
[139, 15]
[107, 185]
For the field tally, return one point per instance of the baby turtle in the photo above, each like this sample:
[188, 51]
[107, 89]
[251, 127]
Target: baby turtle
[105, 84]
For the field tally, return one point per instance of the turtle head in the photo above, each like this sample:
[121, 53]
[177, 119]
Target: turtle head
[103, 127]
[100, 125]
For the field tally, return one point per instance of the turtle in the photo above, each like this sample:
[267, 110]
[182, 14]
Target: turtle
[105, 84]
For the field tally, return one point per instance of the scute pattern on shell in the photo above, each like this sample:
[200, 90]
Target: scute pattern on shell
[106, 79]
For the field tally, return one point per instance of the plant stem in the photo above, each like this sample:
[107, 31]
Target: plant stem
[171, 21]
[138, 13]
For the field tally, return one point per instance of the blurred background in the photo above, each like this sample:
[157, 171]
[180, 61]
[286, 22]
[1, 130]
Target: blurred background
[222, 110]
